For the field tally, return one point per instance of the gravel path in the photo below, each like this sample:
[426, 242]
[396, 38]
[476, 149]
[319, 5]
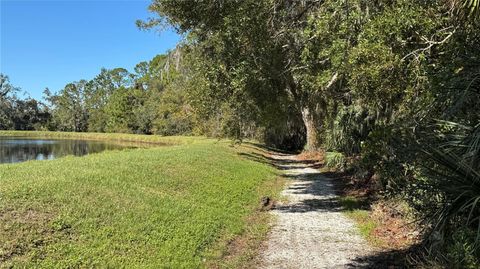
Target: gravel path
[311, 231]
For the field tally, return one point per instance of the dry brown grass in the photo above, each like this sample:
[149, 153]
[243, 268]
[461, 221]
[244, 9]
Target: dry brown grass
[22, 230]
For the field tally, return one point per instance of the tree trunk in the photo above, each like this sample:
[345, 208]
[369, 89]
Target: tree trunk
[310, 126]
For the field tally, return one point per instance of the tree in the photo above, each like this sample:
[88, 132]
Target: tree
[5, 87]
[5, 102]
[119, 111]
[97, 93]
[20, 114]
[69, 109]
[248, 58]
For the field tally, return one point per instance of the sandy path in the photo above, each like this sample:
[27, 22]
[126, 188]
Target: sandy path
[310, 231]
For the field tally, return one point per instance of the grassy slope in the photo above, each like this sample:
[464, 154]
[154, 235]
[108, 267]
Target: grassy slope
[157, 207]
[152, 139]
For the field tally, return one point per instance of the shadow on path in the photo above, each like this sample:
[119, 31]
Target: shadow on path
[391, 259]
[281, 164]
[315, 193]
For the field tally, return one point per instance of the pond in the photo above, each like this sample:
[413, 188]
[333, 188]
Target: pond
[20, 149]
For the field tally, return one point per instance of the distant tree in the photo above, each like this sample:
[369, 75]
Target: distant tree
[119, 111]
[97, 93]
[18, 114]
[69, 107]
[5, 103]
[5, 87]
[29, 115]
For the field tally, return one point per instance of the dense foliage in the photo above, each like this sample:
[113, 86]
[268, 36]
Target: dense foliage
[393, 86]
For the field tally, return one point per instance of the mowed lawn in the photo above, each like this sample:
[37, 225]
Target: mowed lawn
[163, 207]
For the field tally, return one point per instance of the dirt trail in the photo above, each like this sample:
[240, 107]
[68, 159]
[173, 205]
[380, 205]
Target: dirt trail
[310, 230]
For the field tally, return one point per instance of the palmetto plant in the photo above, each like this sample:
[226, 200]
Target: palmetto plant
[461, 140]
[455, 174]
[469, 7]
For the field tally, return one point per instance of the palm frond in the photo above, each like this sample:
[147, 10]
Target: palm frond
[455, 175]
[469, 7]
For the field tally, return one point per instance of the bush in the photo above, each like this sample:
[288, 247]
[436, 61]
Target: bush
[336, 160]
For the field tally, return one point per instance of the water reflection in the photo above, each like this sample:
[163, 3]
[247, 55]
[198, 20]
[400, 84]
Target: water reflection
[20, 149]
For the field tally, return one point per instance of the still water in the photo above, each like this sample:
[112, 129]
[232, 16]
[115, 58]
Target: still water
[20, 149]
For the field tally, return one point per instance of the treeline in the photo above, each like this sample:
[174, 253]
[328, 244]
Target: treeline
[392, 88]
[148, 101]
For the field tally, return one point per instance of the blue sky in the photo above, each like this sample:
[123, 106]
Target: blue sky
[51, 43]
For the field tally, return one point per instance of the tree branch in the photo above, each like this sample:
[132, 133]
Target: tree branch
[430, 44]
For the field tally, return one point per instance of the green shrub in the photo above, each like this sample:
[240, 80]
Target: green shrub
[335, 160]
[461, 252]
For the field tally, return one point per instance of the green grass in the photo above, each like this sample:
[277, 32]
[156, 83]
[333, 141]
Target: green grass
[152, 139]
[355, 209]
[162, 207]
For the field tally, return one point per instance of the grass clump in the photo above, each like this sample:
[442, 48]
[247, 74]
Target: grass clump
[164, 207]
[335, 159]
[355, 209]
